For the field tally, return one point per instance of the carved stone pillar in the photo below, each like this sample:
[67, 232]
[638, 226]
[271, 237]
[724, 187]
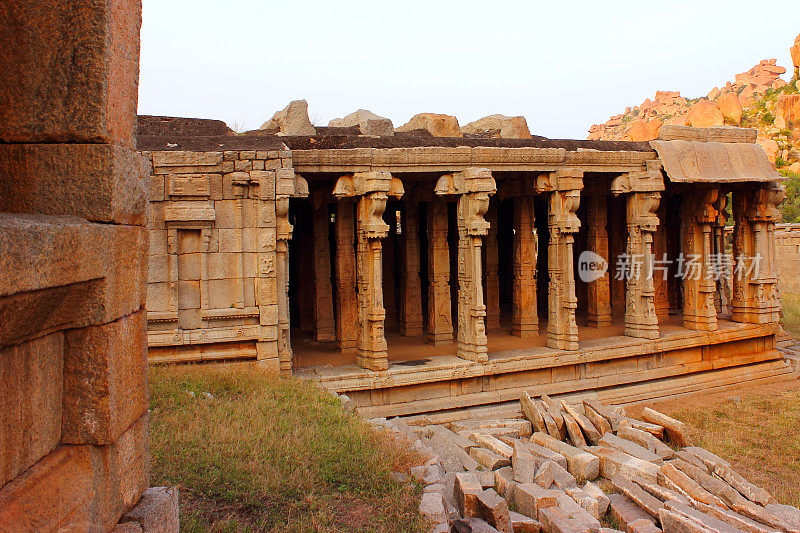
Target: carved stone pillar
[411, 293]
[323, 301]
[661, 265]
[598, 313]
[373, 190]
[525, 319]
[473, 188]
[491, 275]
[698, 215]
[440, 320]
[564, 187]
[756, 298]
[346, 302]
[722, 297]
[642, 193]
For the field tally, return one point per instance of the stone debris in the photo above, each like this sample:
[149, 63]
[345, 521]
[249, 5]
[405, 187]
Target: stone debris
[499, 126]
[643, 476]
[291, 120]
[368, 122]
[435, 124]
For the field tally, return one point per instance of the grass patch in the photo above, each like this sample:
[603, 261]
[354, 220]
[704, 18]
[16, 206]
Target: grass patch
[758, 434]
[254, 453]
[790, 307]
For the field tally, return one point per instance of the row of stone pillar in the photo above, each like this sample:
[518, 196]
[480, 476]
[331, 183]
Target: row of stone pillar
[359, 230]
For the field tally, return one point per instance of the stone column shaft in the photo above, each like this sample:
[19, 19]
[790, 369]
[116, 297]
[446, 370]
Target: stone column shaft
[491, 275]
[411, 295]
[282, 261]
[562, 329]
[440, 321]
[698, 215]
[525, 319]
[598, 291]
[346, 302]
[325, 324]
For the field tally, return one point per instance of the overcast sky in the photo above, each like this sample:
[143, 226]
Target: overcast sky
[564, 65]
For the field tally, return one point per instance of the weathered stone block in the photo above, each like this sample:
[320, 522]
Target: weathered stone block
[105, 380]
[98, 182]
[157, 511]
[31, 384]
[186, 159]
[70, 71]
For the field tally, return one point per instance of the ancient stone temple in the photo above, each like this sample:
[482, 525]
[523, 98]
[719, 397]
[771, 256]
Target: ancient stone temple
[421, 273]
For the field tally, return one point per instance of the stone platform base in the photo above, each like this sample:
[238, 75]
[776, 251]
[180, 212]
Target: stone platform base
[614, 369]
[156, 512]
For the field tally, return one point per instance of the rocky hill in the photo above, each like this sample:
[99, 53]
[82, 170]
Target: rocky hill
[758, 98]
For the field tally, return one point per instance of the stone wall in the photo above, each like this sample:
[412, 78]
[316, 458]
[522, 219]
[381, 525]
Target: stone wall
[218, 233]
[787, 252]
[73, 257]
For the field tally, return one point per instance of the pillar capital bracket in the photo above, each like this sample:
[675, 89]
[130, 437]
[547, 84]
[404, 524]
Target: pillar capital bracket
[290, 185]
[642, 212]
[363, 183]
[764, 203]
[472, 180]
[565, 179]
[642, 181]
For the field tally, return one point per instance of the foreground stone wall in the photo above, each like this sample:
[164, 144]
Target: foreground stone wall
[218, 254]
[73, 257]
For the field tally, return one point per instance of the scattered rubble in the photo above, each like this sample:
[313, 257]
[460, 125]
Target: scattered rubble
[577, 468]
[291, 120]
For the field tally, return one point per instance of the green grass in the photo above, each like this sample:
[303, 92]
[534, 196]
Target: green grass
[791, 313]
[759, 434]
[254, 453]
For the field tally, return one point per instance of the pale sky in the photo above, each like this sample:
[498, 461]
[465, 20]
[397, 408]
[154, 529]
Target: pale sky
[564, 65]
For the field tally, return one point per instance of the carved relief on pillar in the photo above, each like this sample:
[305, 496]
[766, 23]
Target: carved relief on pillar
[598, 291]
[660, 255]
[525, 319]
[722, 297]
[473, 187]
[755, 292]
[440, 320]
[699, 215]
[491, 275]
[564, 187]
[324, 323]
[373, 190]
[411, 288]
[643, 197]
[346, 301]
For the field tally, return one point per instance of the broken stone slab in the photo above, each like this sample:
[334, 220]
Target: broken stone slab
[646, 440]
[436, 124]
[523, 463]
[709, 459]
[654, 429]
[643, 526]
[451, 454]
[580, 519]
[554, 408]
[545, 453]
[573, 430]
[687, 485]
[675, 429]
[523, 427]
[530, 498]
[625, 512]
[691, 459]
[466, 489]
[760, 514]
[751, 492]
[591, 432]
[709, 522]
[435, 487]
[494, 510]
[595, 492]
[552, 474]
[291, 120]
[459, 440]
[613, 461]
[431, 507]
[637, 495]
[598, 421]
[631, 448]
[523, 524]
[504, 481]
[714, 485]
[787, 517]
[499, 126]
[488, 459]
[531, 411]
[550, 423]
[493, 444]
[368, 122]
[733, 518]
[556, 520]
[486, 477]
[496, 432]
[672, 521]
[589, 504]
[583, 465]
[157, 510]
[662, 493]
[614, 415]
[473, 525]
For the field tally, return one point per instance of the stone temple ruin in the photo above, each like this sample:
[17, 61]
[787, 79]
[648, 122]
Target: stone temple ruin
[420, 273]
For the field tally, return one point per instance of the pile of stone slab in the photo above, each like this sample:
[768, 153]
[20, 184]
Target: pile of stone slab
[569, 468]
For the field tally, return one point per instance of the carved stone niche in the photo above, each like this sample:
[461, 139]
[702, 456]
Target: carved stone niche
[372, 190]
[473, 188]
